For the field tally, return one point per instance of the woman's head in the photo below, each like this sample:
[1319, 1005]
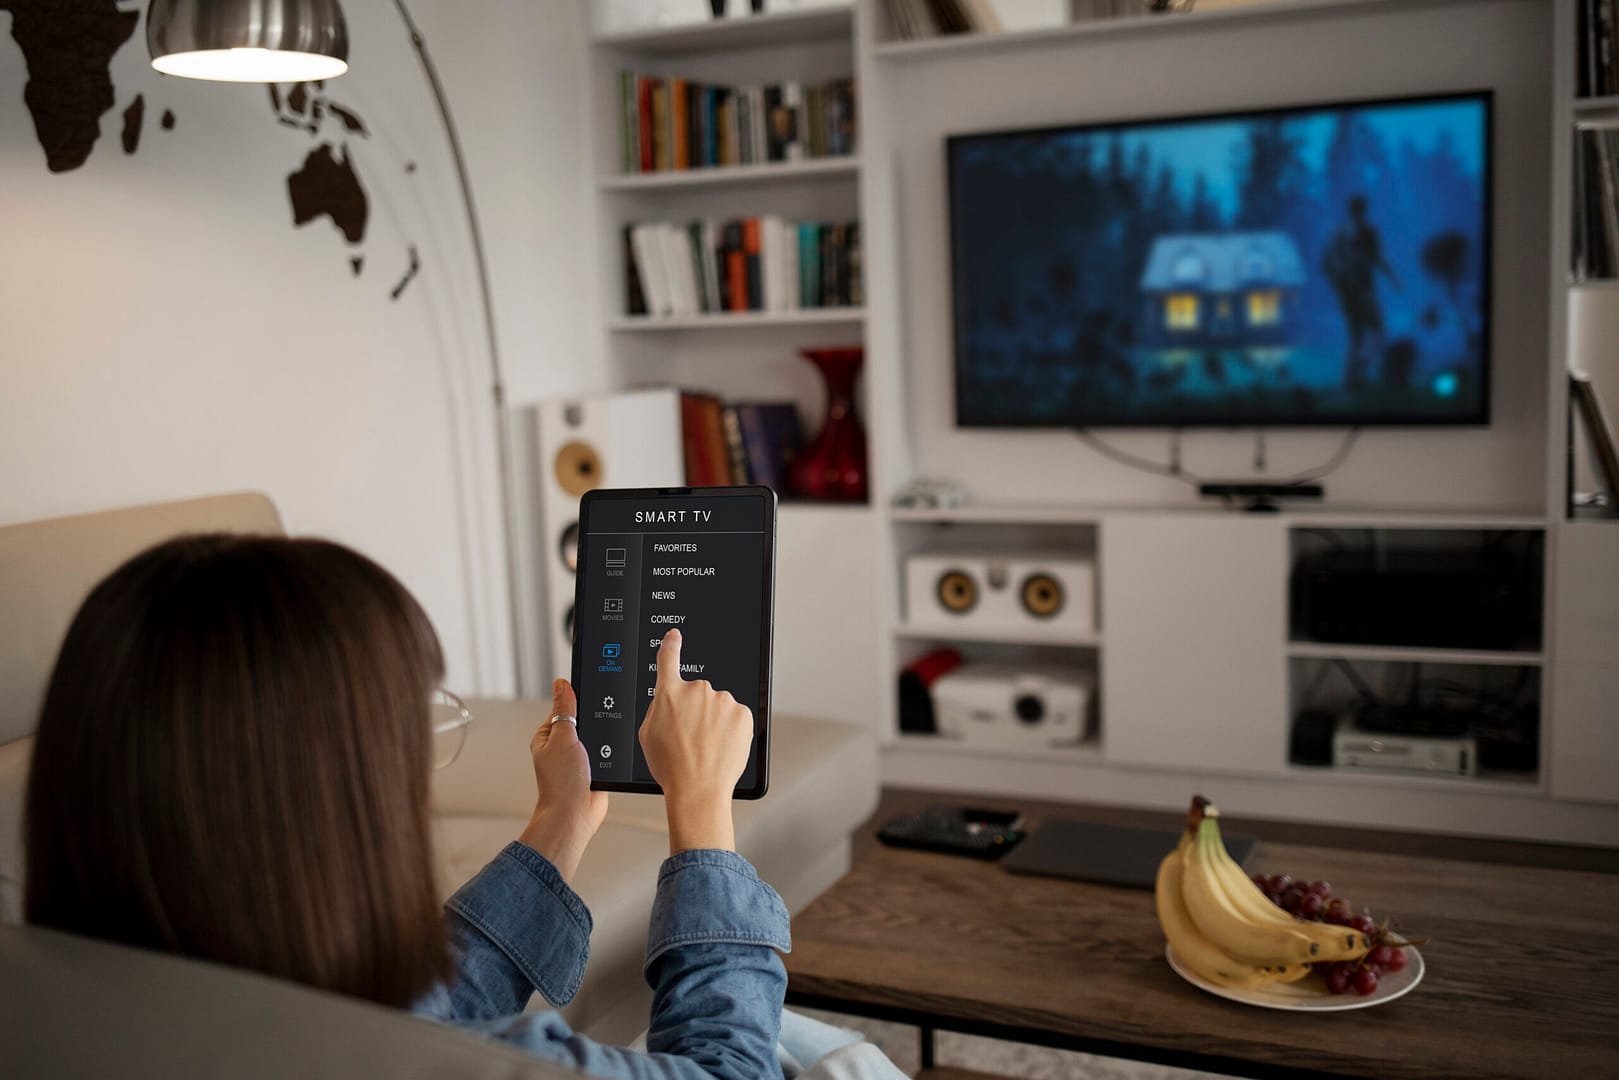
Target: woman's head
[232, 763]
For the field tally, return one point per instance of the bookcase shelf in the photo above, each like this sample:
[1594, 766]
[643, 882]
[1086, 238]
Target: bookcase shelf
[1026, 634]
[738, 319]
[826, 168]
[945, 46]
[828, 22]
[1327, 650]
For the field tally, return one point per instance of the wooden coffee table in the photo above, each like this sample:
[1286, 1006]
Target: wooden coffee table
[1522, 967]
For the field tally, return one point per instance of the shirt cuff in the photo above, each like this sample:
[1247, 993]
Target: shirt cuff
[714, 897]
[520, 903]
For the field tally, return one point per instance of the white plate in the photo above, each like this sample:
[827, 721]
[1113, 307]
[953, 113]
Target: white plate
[1308, 995]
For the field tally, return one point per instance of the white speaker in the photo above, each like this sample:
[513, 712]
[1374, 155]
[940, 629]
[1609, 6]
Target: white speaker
[626, 440]
[1015, 706]
[1047, 592]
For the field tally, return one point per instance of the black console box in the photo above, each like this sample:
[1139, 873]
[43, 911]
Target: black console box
[1442, 599]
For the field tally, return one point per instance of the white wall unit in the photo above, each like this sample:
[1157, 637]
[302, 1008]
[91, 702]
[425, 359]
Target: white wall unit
[1585, 673]
[827, 639]
[1195, 612]
[829, 650]
[1193, 654]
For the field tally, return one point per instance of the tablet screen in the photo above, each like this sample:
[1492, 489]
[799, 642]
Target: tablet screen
[700, 561]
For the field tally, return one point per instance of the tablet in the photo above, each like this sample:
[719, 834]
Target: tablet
[699, 560]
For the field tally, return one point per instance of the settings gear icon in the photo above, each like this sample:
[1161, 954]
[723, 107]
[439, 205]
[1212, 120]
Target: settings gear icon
[607, 702]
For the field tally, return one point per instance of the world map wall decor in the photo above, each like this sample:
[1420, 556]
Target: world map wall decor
[68, 46]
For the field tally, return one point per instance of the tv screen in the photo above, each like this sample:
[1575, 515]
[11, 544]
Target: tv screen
[1322, 265]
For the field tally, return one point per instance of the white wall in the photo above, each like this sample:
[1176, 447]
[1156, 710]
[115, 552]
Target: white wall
[168, 333]
[1176, 67]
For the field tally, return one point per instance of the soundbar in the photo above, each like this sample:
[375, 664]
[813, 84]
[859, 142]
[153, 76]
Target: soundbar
[1247, 489]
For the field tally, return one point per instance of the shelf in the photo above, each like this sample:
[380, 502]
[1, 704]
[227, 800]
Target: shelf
[805, 507]
[1031, 634]
[953, 45]
[1413, 655]
[1373, 519]
[1594, 285]
[846, 316]
[1088, 751]
[1011, 514]
[825, 23]
[1596, 112]
[1527, 784]
[826, 168]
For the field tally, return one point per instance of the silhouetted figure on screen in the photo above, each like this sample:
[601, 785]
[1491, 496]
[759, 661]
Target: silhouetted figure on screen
[1353, 257]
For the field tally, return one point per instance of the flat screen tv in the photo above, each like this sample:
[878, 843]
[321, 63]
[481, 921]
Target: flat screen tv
[1309, 266]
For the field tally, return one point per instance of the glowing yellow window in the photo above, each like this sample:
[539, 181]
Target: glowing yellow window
[1264, 308]
[1180, 311]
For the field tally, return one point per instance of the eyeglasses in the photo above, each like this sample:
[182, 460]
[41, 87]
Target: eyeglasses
[450, 719]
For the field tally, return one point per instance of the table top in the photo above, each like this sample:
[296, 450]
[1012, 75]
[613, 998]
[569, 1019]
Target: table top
[1522, 963]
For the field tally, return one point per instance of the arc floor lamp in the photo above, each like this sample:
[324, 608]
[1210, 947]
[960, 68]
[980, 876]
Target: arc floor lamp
[273, 41]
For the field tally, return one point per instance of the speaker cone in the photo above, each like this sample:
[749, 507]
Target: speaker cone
[578, 468]
[1042, 595]
[568, 547]
[957, 591]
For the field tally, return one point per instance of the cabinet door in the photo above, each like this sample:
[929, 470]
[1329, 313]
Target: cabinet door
[1584, 720]
[829, 617]
[1194, 624]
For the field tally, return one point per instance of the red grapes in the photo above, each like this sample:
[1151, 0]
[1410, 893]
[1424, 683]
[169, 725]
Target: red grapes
[1314, 900]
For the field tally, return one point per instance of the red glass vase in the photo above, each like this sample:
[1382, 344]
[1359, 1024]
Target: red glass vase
[833, 467]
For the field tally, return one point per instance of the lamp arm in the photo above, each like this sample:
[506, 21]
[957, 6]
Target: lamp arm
[497, 379]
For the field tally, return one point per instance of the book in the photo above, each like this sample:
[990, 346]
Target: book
[643, 121]
[809, 265]
[660, 124]
[694, 242]
[792, 102]
[1598, 431]
[735, 455]
[648, 248]
[702, 465]
[634, 292]
[752, 269]
[680, 128]
[629, 154]
[854, 286]
[709, 246]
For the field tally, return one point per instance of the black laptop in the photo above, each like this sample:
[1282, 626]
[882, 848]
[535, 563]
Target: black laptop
[1109, 854]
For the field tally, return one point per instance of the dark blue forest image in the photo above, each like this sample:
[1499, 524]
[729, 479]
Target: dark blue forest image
[1312, 266]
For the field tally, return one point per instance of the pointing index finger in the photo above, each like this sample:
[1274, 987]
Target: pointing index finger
[669, 658]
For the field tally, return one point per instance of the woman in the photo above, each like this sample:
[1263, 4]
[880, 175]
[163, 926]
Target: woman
[233, 764]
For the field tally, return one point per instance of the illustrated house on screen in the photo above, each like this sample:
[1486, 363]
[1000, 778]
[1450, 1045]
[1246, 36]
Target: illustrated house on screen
[1229, 289]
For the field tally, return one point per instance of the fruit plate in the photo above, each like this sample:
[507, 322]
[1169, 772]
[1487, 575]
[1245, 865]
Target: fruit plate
[1308, 995]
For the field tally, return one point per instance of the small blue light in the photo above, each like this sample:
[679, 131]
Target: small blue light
[1445, 385]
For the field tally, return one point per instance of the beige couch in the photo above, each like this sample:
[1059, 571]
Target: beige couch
[823, 775]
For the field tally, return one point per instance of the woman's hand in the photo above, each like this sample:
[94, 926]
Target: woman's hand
[696, 741]
[567, 813]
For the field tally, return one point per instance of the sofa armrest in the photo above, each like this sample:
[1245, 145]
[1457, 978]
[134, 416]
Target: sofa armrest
[494, 774]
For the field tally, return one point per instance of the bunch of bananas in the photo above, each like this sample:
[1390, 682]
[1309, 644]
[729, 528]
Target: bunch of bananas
[1227, 931]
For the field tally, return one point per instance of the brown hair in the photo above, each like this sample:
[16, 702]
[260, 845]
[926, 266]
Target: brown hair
[232, 763]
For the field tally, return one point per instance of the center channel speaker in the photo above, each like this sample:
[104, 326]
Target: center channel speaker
[1056, 590]
[613, 440]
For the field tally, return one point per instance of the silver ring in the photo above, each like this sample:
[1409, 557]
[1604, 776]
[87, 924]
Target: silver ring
[569, 719]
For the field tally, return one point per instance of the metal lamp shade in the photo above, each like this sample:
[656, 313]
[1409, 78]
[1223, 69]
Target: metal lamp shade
[248, 40]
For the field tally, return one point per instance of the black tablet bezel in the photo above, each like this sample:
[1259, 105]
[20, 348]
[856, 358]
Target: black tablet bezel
[761, 715]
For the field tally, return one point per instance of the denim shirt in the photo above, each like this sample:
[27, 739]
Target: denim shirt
[718, 985]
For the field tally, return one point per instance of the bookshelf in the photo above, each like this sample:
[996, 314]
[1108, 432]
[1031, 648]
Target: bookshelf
[834, 169]
[840, 316]
[830, 22]
[912, 94]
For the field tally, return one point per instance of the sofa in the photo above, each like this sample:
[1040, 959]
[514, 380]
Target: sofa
[823, 784]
